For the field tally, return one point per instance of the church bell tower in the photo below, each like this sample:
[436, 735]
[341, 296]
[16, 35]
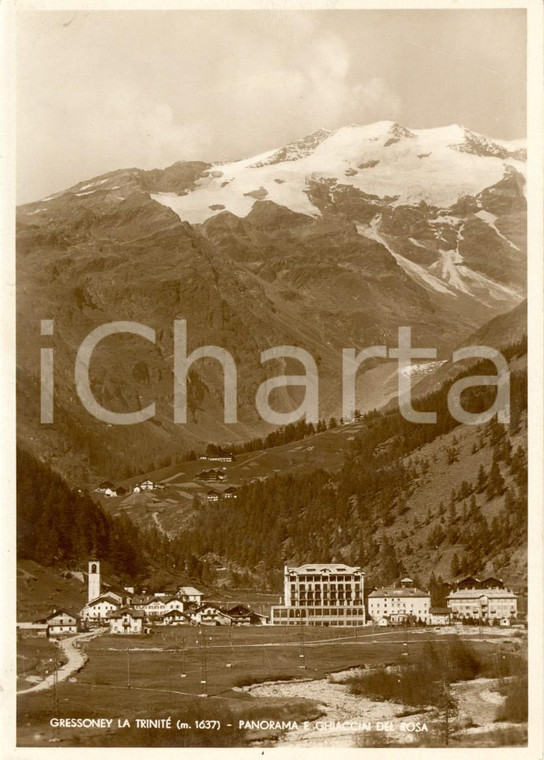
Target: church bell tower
[94, 580]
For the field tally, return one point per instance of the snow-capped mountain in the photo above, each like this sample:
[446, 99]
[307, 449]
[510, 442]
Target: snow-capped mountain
[385, 159]
[332, 241]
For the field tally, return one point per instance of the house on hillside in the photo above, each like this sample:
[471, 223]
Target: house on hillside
[469, 582]
[107, 485]
[211, 476]
[217, 457]
[230, 493]
[212, 496]
[126, 621]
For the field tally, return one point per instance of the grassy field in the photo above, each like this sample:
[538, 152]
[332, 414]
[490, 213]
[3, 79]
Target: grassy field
[33, 658]
[169, 672]
[40, 590]
[172, 507]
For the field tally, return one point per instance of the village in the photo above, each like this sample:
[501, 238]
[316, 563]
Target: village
[314, 595]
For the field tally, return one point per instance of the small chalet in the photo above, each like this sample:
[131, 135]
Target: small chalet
[126, 621]
[175, 617]
[210, 614]
[212, 496]
[230, 493]
[61, 623]
[107, 485]
[240, 614]
[212, 475]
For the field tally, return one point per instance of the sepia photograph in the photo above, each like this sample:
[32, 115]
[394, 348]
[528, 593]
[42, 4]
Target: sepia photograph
[277, 468]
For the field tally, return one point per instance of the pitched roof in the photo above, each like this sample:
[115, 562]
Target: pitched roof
[190, 590]
[208, 605]
[398, 592]
[125, 611]
[61, 612]
[477, 593]
[103, 598]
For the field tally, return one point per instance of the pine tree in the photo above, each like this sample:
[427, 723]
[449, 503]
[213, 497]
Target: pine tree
[481, 480]
[496, 485]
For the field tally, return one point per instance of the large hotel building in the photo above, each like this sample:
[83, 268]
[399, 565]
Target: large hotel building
[322, 594]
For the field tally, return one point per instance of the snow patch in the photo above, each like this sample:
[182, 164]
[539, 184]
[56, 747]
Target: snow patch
[486, 216]
[87, 192]
[410, 267]
[490, 220]
[448, 269]
[92, 184]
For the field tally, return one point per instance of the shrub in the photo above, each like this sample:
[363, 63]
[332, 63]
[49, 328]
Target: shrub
[516, 705]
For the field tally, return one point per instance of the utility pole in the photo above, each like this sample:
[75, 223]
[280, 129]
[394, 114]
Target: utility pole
[55, 698]
[203, 665]
[183, 671]
[128, 667]
[302, 654]
[447, 714]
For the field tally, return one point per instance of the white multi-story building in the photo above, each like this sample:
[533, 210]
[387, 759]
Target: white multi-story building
[483, 603]
[397, 605]
[322, 594]
[97, 610]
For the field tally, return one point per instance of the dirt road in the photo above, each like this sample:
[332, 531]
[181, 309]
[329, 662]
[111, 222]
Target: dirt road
[75, 659]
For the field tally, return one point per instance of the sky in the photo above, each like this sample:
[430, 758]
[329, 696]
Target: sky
[104, 90]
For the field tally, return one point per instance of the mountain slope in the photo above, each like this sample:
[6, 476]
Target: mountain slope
[331, 242]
